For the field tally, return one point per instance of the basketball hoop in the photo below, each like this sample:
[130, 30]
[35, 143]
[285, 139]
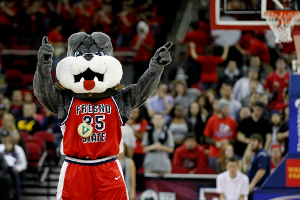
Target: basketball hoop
[281, 23]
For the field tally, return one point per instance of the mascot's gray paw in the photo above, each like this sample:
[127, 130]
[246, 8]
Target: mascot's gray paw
[162, 55]
[45, 53]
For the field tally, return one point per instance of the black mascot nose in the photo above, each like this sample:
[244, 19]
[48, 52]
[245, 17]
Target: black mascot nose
[88, 56]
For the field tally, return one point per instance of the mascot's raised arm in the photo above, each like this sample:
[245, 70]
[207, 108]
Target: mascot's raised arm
[92, 106]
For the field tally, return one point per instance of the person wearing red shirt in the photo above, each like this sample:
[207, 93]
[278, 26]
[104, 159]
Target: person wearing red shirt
[127, 19]
[103, 19]
[139, 125]
[277, 81]
[276, 156]
[259, 48]
[189, 157]
[209, 76]
[7, 13]
[142, 43]
[219, 130]
[83, 16]
[245, 42]
[196, 36]
[66, 16]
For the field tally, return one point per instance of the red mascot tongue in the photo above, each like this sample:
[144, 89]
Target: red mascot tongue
[88, 84]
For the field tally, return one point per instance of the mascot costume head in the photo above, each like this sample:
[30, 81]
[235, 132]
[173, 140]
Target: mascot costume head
[92, 107]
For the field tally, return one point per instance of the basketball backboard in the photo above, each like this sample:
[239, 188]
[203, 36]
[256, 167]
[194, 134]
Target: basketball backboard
[242, 14]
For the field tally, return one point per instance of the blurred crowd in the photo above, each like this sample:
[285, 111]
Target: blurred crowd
[218, 104]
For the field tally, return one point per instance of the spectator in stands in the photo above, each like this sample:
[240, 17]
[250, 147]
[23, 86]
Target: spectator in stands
[27, 122]
[245, 161]
[2, 112]
[161, 102]
[234, 105]
[276, 122]
[57, 40]
[197, 37]
[127, 20]
[256, 123]
[139, 125]
[178, 125]
[263, 70]
[83, 15]
[184, 70]
[5, 180]
[231, 74]
[227, 152]
[276, 156]
[204, 104]
[283, 133]
[9, 124]
[281, 105]
[196, 122]
[220, 129]
[259, 48]
[65, 14]
[265, 99]
[260, 164]
[129, 171]
[15, 159]
[232, 184]
[7, 13]
[215, 107]
[142, 43]
[129, 140]
[253, 86]
[209, 77]
[244, 113]
[50, 122]
[6, 102]
[103, 19]
[17, 101]
[183, 95]
[241, 87]
[277, 81]
[158, 143]
[189, 157]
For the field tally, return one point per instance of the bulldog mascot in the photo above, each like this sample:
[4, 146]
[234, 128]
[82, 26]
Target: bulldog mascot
[92, 107]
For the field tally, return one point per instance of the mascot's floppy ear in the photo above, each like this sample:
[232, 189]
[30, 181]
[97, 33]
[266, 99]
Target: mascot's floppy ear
[75, 40]
[103, 41]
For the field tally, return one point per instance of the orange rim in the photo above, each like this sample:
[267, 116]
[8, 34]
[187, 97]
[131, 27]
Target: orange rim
[283, 16]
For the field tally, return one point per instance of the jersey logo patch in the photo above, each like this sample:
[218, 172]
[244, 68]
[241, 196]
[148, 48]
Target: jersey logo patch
[85, 130]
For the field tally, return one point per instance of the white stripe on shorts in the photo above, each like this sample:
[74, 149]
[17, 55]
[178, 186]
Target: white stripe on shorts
[61, 181]
[120, 168]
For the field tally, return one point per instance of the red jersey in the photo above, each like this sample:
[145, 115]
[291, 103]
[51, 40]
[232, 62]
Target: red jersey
[283, 82]
[246, 41]
[198, 37]
[260, 49]
[140, 127]
[209, 68]
[142, 53]
[55, 36]
[219, 129]
[193, 159]
[106, 122]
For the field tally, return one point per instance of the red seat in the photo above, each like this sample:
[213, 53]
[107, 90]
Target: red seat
[14, 78]
[34, 154]
[25, 135]
[39, 141]
[49, 138]
[28, 79]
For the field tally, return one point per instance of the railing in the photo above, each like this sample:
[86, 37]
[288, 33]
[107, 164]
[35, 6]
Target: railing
[184, 24]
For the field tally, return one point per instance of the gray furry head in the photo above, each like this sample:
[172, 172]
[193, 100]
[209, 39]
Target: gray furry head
[86, 43]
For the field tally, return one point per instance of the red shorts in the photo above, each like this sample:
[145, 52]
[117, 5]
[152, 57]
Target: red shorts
[91, 180]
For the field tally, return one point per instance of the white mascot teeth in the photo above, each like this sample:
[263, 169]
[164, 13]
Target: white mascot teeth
[110, 67]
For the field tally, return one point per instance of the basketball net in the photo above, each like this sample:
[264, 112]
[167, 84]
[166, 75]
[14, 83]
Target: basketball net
[281, 23]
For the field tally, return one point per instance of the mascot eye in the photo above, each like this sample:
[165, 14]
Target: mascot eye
[78, 53]
[99, 53]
